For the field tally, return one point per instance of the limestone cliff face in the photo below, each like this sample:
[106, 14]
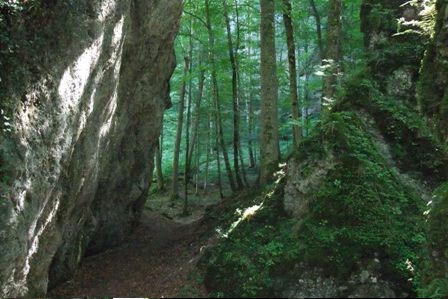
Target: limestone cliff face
[81, 141]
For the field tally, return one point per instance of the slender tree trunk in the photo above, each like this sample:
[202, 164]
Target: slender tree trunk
[270, 151]
[251, 122]
[180, 120]
[318, 28]
[216, 98]
[287, 17]
[197, 108]
[240, 91]
[187, 143]
[207, 159]
[160, 181]
[252, 159]
[307, 100]
[333, 53]
[198, 161]
[250, 104]
[243, 168]
[235, 98]
[187, 131]
[218, 158]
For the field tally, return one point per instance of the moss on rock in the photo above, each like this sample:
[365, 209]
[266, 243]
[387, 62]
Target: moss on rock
[361, 210]
[432, 86]
[436, 274]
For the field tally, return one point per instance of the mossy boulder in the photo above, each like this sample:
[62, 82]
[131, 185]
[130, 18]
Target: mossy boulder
[361, 215]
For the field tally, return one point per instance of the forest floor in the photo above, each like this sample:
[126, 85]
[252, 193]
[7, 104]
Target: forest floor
[158, 260]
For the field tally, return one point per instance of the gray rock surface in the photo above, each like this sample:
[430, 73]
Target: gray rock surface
[310, 282]
[83, 136]
[303, 179]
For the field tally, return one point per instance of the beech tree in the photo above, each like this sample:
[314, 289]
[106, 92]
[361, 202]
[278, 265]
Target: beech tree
[269, 140]
[295, 109]
[333, 53]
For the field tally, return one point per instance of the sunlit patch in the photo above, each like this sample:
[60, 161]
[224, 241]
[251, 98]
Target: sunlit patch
[107, 7]
[245, 215]
[251, 212]
[35, 236]
[73, 84]
[425, 24]
[117, 36]
[117, 45]
[21, 200]
[76, 76]
[328, 102]
[105, 128]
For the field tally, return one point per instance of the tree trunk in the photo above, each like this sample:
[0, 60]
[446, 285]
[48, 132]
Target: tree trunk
[333, 54]
[180, 120]
[197, 117]
[160, 182]
[218, 158]
[187, 130]
[235, 98]
[318, 29]
[207, 150]
[287, 17]
[269, 145]
[240, 90]
[251, 122]
[216, 98]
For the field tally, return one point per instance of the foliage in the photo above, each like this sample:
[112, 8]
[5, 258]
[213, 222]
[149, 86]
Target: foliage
[362, 208]
[424, 26]
[414, 145]
[244, 15]
[188, 291]
[438, 289]
[431, 90]
[242, 264]
[435, 279]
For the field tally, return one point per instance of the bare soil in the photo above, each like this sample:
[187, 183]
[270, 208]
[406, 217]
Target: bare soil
[156, 261]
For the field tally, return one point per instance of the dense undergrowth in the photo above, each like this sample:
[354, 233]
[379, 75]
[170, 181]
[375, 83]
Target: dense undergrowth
[255, 238]
[414, 145]
[436, 274]
[366, 206]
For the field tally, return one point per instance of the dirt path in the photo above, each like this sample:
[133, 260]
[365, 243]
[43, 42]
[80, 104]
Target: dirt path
[154, 262]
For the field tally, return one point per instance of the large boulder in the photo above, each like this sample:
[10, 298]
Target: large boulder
[82, 105]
